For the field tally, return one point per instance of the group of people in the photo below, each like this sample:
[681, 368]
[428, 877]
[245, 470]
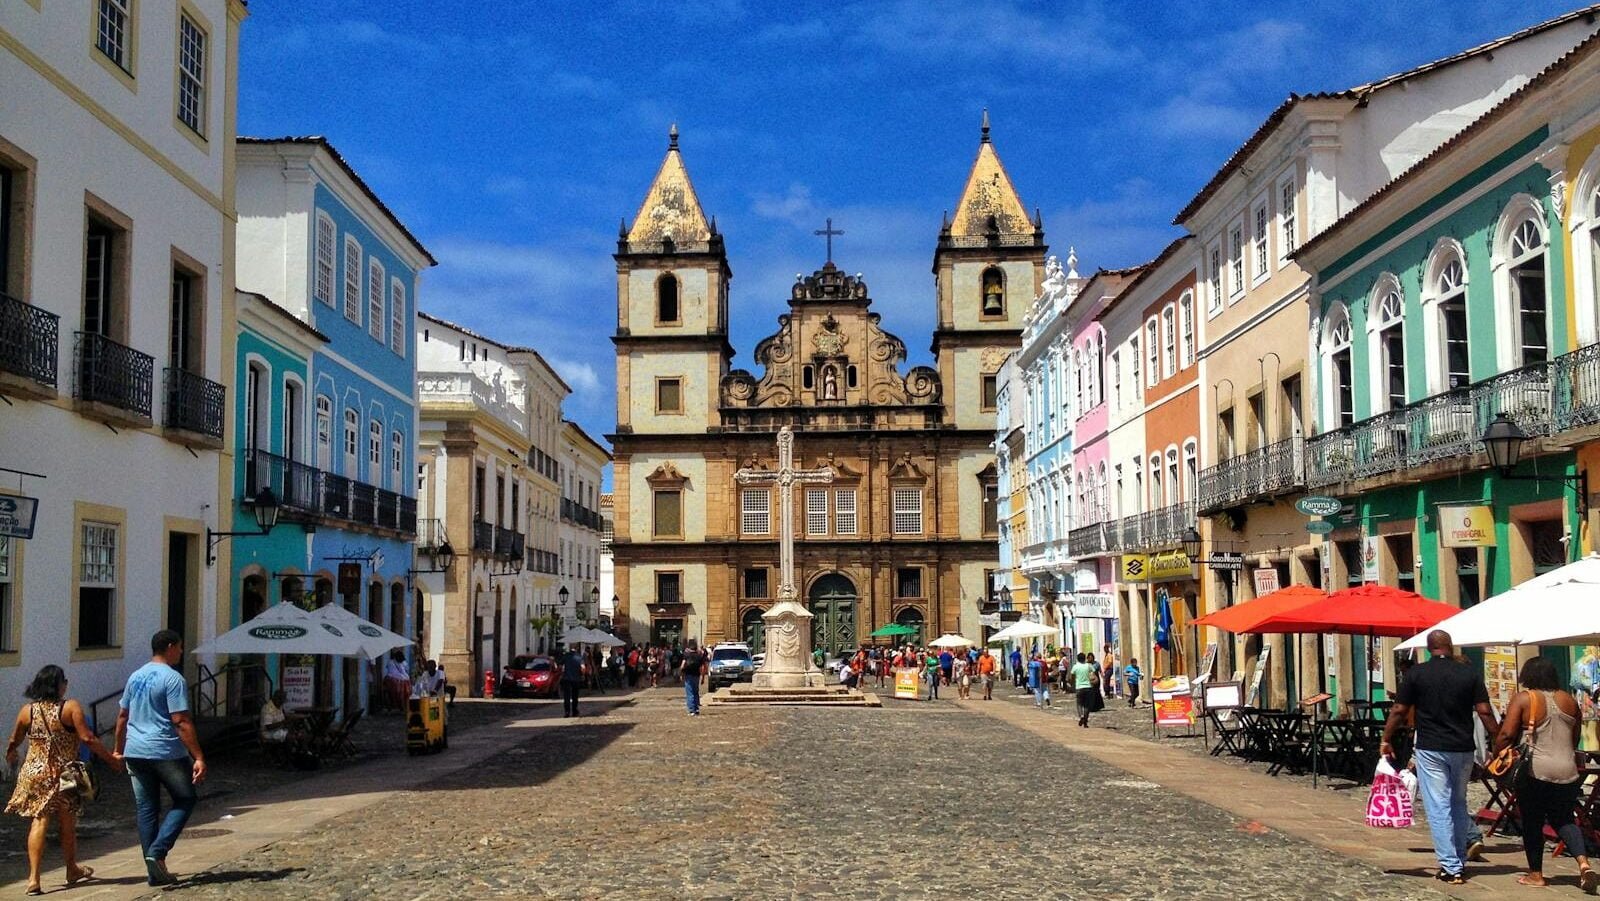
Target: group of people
[652, 664]
[1079, 673]
[154, 743]
[1440, 699]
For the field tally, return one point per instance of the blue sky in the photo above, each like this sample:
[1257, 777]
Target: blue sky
[512, 137]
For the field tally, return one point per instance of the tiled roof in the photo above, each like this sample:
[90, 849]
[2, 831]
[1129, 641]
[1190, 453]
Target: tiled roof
[325, 144]
[1360, 93]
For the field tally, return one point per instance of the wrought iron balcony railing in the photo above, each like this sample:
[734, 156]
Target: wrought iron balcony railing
[308, 493]
[483, 537]
[363, 503]
[1262, 472]
[508, 544]
[29, 340]
[194, 403]
[297, 485]
[113, 374]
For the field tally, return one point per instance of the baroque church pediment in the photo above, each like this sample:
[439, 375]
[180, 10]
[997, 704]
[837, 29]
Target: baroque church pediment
[906, 470]
[666, 475]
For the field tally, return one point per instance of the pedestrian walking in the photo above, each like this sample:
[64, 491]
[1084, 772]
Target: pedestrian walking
[156, 741]
[1548, 718]
[1133, 676]
[963, 679]
[1445, 692]
[930, 670]
[1039, 681]
[1085, 683]
[571, 681]
[1108, 673]
[986, 673]
[947, 663]
[690, 670]
[1016, 667]
[54, 727]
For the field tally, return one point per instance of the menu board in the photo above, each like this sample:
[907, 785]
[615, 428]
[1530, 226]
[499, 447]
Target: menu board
[1500, 674]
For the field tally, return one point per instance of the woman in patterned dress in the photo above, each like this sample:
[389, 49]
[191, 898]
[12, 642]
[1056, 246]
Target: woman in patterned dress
[53, 726]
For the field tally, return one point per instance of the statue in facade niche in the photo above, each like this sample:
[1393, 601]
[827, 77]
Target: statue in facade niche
[830, 383]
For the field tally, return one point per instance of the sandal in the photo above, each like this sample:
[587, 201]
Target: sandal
[1589, 880]
[83, 873]
[34, 890]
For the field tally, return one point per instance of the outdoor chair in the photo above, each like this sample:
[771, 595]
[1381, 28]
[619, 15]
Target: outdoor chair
[1231, 734]
[338, 742]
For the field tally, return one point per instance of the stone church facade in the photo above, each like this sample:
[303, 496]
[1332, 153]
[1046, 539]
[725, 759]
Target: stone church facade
[905, 532]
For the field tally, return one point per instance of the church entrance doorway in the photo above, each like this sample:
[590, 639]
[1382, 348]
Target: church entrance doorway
[751, 627]
[911, 617]
[833, 610]
[666, 632]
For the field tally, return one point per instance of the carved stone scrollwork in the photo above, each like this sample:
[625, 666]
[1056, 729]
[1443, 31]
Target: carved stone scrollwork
[922, 383]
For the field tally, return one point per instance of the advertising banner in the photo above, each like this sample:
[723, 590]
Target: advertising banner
[1134, 567]
[1467, 526]
[1369, 558]
[1170, 566]
[1260, 674]
[905, 684]
[1266, 580]
[299, 684]
[1500, 674]
[1173, 701]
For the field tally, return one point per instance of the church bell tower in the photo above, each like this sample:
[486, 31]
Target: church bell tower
[987, 269]
[672, 309]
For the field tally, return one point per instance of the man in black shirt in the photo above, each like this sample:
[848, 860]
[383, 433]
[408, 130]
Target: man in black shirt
[694, 663]
[1445, 692]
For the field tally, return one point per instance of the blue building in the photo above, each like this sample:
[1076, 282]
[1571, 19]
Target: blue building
[337, 450]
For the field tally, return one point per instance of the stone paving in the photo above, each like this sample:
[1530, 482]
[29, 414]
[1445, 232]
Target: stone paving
[912, 800]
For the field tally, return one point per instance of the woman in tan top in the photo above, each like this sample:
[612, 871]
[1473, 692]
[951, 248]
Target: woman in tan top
[1550, 791]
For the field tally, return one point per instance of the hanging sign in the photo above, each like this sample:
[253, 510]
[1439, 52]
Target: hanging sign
[298, 684]
[1317, 505]
[1225, 561]
[17, 514]
[1467, 526]
[1135, 568]
[1320, 526]
[1266, 579]
[1097, 604]
[1369, 558]
[1260, 674]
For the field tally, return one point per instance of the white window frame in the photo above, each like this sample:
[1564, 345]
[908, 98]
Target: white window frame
[1152, 342]
[375, 451]
[1288, 217]
[755, 511]
[1509, 253]
[907, 510]
[352, 441]
[397, 453]
[326, 244]
[816, 511]
[377, 285]
[324, 427]
[1169, 341]
[97, 568]
[353, 297]
[192, 52]
[8, 595]
[114, 30]
[397, 316]
[1260, 240]
[844, 511]
[1135, 366]
[1236, 261]
[1447, 254]
[1214, 292]
[1337, 336]
[1186, 332]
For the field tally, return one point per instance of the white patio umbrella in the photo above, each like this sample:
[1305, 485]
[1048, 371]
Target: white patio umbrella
[284, 629]
[1555, 608]
[1022, 630]
[950, 640]
[607, 640]
[578, 635]
[374, 639]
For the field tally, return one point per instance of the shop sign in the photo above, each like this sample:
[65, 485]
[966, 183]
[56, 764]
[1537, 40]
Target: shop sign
[1086, 578]
[1467, 526]
[1170, 566]
[1135, 568]
[1266, 579]
[1096, 604]
[1369, 558]
[1317, 505]
[298, 682]
[1173, 699]
[1319, 526]
[1226, 561]
[17, 514]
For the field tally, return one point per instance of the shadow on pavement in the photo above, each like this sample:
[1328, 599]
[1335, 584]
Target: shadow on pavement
[544, 755]
[225, 877]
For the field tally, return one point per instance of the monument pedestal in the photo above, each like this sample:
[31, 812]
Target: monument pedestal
[787, 627]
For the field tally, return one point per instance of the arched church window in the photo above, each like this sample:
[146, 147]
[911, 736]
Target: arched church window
[850, 375]
[667, 298]
[994, 284]
[807, 377]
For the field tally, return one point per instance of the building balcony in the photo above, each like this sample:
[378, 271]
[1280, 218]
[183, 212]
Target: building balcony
[542, 561]
[112, 381]
[1157, 529]
[1255, 475]
[430, 536]
[1544, 399]
[307, 494]
[466, 390]
[29, 343]
[194, 409]
[483, 537]
[1092, 540]
[508, 544]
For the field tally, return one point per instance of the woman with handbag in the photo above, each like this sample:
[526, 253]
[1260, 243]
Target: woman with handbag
[1543, 769]
[52, 780]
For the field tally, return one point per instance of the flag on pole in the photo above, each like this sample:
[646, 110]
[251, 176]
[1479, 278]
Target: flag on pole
[1163, 621]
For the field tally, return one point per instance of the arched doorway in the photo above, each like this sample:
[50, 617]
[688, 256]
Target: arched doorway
[250, 691]
[911, 617]
[833, 614]
[323, 588]
[751, 627]
[397, 610]
[293, 590]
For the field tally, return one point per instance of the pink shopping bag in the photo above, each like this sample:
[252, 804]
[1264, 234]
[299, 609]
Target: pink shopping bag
[1389, 805]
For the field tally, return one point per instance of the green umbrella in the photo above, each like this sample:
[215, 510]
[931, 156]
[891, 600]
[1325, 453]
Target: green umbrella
[893, 630]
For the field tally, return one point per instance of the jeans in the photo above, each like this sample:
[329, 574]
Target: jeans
[691, 693]
[933, 685]
[1442, 782]
[1548, 802]
[158, 834]
[569, 698]
[1041, 693]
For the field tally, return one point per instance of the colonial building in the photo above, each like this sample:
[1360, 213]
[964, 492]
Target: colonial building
[583, 463]
[489, 470]
[906, 532]
[116, 330]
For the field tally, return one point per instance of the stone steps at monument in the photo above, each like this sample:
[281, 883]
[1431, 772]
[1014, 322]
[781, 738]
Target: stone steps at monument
[792, 697]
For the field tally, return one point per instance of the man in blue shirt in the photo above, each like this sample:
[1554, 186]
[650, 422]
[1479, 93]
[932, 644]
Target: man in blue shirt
[1039, 681]
[155, 738]
[1016, 667]
[571, 681]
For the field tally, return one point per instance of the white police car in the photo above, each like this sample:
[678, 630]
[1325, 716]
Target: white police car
[731, 662]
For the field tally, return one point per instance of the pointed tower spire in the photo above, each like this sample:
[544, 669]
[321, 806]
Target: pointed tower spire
[670, 211]
[989, 203]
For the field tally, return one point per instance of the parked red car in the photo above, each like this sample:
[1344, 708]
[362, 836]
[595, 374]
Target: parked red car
[530, 677]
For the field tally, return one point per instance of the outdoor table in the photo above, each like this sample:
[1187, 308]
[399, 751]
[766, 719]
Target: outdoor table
[1257, 741]
[318, 720]
[1286, 739]
[1378, 710]
[1345, 747]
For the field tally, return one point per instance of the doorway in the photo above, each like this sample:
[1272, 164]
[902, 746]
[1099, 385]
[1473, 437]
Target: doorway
[833, 614]
[183, 608]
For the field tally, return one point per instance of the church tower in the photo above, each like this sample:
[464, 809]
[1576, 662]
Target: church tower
[987, 269]
[672, 309]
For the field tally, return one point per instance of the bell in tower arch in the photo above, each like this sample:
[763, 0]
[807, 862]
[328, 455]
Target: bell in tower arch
[994, 284]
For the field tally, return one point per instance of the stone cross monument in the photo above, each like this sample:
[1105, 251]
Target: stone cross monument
[787, 626]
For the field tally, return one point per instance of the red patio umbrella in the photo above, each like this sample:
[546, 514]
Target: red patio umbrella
[1246, 616]
[1370, 610]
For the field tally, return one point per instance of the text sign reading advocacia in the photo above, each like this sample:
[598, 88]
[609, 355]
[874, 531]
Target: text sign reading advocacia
[1467, 526]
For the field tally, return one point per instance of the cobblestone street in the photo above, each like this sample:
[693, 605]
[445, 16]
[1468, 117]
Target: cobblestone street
[645, 802]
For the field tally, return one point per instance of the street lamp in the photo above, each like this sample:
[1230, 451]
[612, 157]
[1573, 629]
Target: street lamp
[1502, 442]
[264, 507]
[594, 602]
[1191, 542]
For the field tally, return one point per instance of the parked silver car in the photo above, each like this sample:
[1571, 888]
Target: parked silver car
[731, 663]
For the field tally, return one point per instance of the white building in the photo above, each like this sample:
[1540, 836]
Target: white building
[116, 328]
[608, 579]
[489, 491]
[583, 463]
